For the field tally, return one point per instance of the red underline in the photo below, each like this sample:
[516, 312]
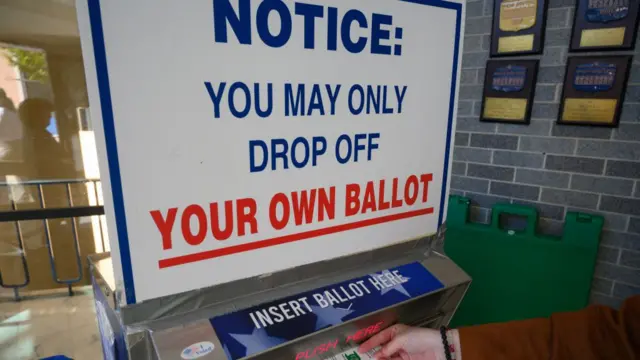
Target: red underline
[211, 254]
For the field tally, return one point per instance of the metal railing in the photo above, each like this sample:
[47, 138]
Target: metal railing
[45, 214]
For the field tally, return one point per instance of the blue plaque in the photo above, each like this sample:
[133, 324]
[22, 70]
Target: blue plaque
[594, 77]
[604, 11]
[510, 78]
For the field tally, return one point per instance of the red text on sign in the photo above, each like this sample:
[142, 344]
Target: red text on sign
[195, 221]
[302, 205]
[372, 198]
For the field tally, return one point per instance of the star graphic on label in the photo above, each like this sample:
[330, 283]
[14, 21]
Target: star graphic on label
[329, 316]
[397, 287]
[257, 341]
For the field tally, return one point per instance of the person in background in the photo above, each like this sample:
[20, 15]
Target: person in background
[596, 332]
[10, 130]
[44, 152]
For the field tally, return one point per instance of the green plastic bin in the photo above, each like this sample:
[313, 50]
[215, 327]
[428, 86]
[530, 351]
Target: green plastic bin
[520, 274]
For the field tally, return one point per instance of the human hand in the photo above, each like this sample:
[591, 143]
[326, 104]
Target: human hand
[402, 342]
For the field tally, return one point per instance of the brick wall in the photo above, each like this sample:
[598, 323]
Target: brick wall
[554, 168]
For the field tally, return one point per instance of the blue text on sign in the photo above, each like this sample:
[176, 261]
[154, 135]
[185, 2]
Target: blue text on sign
[339, 26]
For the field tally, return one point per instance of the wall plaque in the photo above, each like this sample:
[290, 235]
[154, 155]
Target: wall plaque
[509, 87]
[518, 27]
[594, 89]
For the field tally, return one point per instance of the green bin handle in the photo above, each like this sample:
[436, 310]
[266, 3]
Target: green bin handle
[510, 209]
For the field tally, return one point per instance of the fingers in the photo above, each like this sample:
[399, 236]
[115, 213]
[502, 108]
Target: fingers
[380, 338]
[393, 347]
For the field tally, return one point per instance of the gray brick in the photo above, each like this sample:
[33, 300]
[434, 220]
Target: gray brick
[545, 111]
[491, 172]
[486, 42]
[478, 25]
[458, 168]
[634, 77]
[474, 9]
[630, 113]
[614, 221]
[481, 75]
[621, 273]
[602, 185]
[624, 291]
[462, 139]
[634, 225]
[550, 227]
[547, 145]
[581, 132]
[630, 259]
[570, 198]
[621, 240]
[468, 77]
[473, 43]
[469, 184]
[609, 255]
[504, 142]
[558, 18]
[470, 154]
[548, 211]
[609, 149]
[470, 92]
[486, 201]
[474, 125]
[474, 60]
[602, 286]
[574, 164]
[543, 178]
[477, 109]
[554, 56]
[551, 74]
[513, 158]
[456, 192]
[465, 108]
[561, 3]
[633, 92]
[545, 93]
[628, 169]
[556, 37]
[536, 127]
[479, 215]
[628, 132]
[605, 300]
[488, 8]
[515, 190]
[620, 205]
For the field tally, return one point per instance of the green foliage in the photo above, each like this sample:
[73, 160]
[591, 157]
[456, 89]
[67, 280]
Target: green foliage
[32, 64]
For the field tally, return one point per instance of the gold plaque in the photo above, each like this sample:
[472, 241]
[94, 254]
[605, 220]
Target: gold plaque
[591, 110]
[505, 108]
[602, 37]
[515, 43]
[516, 15]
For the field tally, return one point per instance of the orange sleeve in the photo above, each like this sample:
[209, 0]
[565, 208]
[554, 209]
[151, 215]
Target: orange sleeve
[597, 332]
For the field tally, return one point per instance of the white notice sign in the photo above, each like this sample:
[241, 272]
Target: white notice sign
[241, 137]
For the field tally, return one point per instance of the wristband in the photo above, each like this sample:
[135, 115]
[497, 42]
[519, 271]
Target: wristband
[449, 349]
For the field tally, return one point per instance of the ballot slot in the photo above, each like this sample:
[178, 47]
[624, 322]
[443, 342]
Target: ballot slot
[421, 293]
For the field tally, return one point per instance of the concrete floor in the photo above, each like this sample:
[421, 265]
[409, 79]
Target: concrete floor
[47, 324]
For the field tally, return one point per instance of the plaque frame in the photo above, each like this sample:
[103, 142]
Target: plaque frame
[630, 23]
[617, 91]
[527, 92]
[537, 31]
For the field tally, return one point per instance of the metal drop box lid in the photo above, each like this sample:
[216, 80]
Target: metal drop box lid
[181, 327]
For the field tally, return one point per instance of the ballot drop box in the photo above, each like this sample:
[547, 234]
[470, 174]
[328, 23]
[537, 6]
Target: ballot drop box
[274, 172]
